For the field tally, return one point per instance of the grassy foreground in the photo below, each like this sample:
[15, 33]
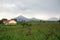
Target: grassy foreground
[35, 31]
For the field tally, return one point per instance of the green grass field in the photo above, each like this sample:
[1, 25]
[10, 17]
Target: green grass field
[35, 31]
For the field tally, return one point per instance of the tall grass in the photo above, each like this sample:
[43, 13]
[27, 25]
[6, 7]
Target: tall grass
[30, 31]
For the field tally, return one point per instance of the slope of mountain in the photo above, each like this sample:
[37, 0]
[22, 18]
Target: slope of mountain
[21, 18]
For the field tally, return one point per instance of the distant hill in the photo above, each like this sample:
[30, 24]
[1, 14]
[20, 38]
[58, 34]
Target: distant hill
[22, 18]
[53, 19]
[34, 19]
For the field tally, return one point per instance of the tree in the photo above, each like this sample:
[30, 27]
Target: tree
[1, 21]
[14, 19]
[4, 19]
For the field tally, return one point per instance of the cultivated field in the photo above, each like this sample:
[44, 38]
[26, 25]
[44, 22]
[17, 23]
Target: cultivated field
[30, 31]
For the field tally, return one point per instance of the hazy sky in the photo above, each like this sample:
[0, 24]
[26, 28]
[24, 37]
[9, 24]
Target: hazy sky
[42, 9]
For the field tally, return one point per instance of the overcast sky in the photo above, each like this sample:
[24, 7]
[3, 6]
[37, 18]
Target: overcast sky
[42, 9]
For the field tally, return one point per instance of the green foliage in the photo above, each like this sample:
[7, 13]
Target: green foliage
[31, 31]
[4, 19]
[14, 19]
[1, 21]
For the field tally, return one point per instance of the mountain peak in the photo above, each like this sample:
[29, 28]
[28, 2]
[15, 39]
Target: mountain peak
[20, 18]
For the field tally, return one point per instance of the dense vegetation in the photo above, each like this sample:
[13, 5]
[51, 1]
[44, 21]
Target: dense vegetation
[39, 30]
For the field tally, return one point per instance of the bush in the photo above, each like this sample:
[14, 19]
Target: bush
[1, 21]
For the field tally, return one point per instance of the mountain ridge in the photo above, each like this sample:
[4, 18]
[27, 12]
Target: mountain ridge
[22, 18]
